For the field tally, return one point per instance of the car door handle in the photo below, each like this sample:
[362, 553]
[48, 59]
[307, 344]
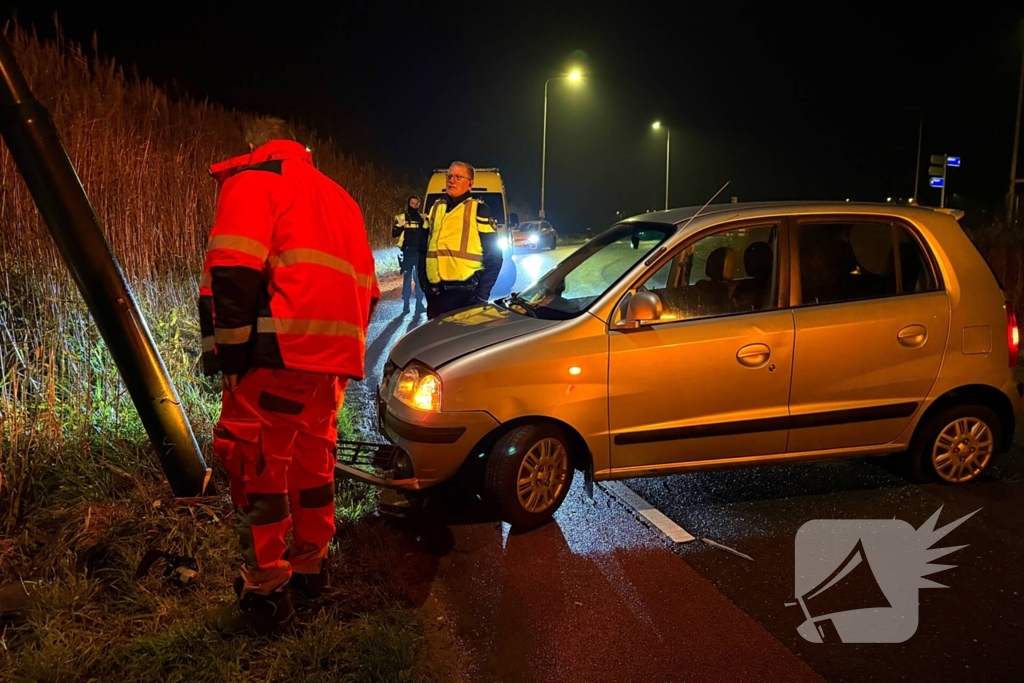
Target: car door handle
[912, 336]
[754, 355]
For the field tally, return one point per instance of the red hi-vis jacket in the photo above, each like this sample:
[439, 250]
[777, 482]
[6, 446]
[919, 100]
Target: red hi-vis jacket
[289, 279]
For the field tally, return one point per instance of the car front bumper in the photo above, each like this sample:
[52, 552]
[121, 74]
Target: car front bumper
[431, 446]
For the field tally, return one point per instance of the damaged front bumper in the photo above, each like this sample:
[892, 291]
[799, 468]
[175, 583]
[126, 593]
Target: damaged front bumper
[424, 449]
[383, 458]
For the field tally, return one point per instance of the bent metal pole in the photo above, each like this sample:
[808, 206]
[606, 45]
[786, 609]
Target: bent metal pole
[37, 150]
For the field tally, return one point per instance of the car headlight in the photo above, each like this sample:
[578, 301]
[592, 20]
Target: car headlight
[419, 388]
[503, 242]
[532, 239]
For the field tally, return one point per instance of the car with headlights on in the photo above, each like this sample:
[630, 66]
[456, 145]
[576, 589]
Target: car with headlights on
[737, 335]
[534, 235]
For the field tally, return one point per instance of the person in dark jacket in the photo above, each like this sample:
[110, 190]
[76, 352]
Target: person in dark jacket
[461, 259]
[410, 230]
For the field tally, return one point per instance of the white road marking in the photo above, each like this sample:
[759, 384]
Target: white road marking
[666, 526]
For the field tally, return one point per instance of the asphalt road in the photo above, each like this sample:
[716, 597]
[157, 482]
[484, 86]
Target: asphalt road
[599, 596]
[970, 631]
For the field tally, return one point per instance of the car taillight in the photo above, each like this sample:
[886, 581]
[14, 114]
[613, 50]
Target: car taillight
[1012, 335]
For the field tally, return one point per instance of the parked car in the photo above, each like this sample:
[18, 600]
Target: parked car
[534, 235]
[747, 334]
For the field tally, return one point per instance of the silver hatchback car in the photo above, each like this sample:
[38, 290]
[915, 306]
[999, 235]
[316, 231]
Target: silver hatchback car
[734, 336]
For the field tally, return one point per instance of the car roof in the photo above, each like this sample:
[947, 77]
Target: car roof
[765, 209]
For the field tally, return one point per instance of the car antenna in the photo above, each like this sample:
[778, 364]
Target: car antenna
[701, 209]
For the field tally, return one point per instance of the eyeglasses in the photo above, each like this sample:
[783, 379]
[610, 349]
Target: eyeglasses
[452, 176]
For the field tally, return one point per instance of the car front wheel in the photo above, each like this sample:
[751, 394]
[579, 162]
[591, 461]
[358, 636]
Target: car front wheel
[528, 474]
[955, 445]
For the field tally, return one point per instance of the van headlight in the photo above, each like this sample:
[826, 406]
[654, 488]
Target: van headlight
[419, 388]
[503, 243]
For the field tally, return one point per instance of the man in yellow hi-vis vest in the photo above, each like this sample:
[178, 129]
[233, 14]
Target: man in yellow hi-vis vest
[461, 259]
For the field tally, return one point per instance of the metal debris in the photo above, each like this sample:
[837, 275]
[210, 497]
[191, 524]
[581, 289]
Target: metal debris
[737, 553]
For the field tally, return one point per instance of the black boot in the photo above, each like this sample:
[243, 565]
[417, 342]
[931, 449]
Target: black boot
[310, 586]
[253, 613]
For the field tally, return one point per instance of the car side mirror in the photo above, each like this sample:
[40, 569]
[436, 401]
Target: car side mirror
[513, 220]
[644, 307]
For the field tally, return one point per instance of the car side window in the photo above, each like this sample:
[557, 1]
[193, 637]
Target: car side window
[848, 261]
[720, 274]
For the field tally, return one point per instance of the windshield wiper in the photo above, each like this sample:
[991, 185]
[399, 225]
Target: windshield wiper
[515, 299]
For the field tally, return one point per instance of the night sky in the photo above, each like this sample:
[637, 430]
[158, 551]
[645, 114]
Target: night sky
[784, 104]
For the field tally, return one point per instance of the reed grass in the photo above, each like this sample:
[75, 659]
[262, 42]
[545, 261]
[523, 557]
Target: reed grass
[82, 496]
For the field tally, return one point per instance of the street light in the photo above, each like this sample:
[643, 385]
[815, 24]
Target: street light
[917, 165]
[575, 76]
[668, 149]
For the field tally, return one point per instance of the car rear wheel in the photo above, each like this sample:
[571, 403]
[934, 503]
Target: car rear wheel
[955, 445]
[528, 474]
[554, 241]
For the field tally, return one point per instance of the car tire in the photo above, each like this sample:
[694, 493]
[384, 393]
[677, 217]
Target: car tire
[537, 456]
[955, 445]
[554, 242]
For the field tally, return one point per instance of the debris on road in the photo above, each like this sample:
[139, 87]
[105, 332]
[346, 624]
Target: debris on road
[737, 553]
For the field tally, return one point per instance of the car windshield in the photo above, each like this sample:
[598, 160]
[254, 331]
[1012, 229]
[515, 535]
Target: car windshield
[491, 199]
[570, 287]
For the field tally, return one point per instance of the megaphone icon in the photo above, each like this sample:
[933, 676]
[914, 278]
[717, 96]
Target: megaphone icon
[851, 586]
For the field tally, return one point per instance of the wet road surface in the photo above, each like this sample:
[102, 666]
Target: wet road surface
[598, 596]
[970, 631]
[594, 596]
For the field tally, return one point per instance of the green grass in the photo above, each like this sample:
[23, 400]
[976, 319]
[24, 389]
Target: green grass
[92, 500]
[92, 621]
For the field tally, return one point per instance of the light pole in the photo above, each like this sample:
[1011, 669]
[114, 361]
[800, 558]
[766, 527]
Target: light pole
[1016, 144]
[575, 75]
[668, 151]
[917, 159]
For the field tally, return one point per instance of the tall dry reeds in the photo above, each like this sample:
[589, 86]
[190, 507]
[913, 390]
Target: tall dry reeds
[142, 158]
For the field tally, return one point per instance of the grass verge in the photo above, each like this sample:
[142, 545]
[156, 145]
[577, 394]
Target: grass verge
[91, 620]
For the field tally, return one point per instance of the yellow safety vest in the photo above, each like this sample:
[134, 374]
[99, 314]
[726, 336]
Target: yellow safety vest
[454, 251]
[400, 222]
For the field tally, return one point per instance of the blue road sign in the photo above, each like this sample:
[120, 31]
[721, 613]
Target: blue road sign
[953, 162]
[936, 182]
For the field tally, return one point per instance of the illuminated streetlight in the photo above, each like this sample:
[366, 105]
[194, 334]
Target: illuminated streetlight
[575, 76]
[668, 148]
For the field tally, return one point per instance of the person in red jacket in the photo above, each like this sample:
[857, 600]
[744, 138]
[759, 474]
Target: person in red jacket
[286, 296]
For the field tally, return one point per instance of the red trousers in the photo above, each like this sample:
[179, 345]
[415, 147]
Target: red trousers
[277, 437]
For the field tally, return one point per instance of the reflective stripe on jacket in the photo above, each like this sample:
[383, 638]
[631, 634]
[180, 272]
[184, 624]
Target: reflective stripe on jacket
[454, 252]
[407, 231]
[289, 278]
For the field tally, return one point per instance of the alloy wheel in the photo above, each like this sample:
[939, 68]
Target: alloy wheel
[962, 449]
[542, 475]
